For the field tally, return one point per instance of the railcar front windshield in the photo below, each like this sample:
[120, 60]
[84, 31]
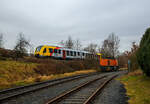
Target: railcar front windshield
[38, 49]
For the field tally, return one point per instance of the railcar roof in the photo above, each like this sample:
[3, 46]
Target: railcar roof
[40, 46]
[65, 48]
[74, 50]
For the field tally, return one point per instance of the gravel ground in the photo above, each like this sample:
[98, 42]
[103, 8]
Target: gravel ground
[114, 93]
[9, 92]
[80, 96]
[42, 96]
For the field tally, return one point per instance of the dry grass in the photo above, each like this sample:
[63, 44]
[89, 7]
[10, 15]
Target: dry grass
[12, 71]
[136, 73]
[123, 68]
[30, 69]
[15, 73]
[138, 87]
[40, 78]
[50, 66]
[49, 77]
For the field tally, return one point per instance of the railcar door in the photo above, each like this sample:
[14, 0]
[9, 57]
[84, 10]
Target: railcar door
[64, 54]
[44, 52]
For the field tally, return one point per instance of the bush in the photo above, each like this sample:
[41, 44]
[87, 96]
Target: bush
[122, 60]
[143, 54]
[52, 67]
[91, 64]
[134, 62]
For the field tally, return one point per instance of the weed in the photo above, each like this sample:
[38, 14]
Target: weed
[137, 86]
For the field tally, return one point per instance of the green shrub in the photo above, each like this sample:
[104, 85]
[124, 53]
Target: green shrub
[143, 54]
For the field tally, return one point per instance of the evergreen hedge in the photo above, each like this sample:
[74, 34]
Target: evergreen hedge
[143, 54]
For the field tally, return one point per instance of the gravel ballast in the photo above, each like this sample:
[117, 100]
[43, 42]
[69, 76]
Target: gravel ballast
[42, 96]
[114, 93]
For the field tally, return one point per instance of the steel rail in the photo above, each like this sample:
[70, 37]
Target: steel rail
[92, 97]
[62, 80]
[58, 98]
[38, 83]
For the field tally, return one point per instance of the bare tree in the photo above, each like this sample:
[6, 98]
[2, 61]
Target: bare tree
[114, 44]
[122, 60]
[1, 40]
[134, 49]
[21, 46]
[105, 50]
[91, 48]
[69, 43]
[99, 48]
[132, 56]
[31, 49]
[110, 46]
[77, 44]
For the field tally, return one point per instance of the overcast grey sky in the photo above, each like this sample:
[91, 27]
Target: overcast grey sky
[50, 21]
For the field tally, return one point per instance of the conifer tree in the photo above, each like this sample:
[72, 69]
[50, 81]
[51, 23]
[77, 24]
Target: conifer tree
[143, 54]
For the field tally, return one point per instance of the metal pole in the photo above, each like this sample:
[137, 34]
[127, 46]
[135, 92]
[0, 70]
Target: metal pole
[129, 66]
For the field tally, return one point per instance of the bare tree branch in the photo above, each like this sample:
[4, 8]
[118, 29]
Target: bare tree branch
[77, 44]
[110, 46]
[21, 46]
[69, 43]
[91, 48]
[1, 40]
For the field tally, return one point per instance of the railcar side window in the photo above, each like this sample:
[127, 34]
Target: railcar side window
[59, 51]
[67, 53]
[44, 51]
[71, 53]
[83, 54]
[50, 50]
[55, 50]
[38, 49]
[78, 53]
[74, 53]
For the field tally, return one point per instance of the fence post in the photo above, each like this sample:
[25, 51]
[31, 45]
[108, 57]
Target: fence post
[129, 66]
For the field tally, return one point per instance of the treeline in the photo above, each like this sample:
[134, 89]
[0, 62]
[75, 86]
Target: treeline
[19, 50]
[139, 55]
[143, 53]
[109, 47]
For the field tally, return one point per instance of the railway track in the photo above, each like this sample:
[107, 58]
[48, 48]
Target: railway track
[5, 95]
[84, 93]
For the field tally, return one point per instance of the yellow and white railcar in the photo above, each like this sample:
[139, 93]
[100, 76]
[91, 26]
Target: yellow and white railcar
[59, 52]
